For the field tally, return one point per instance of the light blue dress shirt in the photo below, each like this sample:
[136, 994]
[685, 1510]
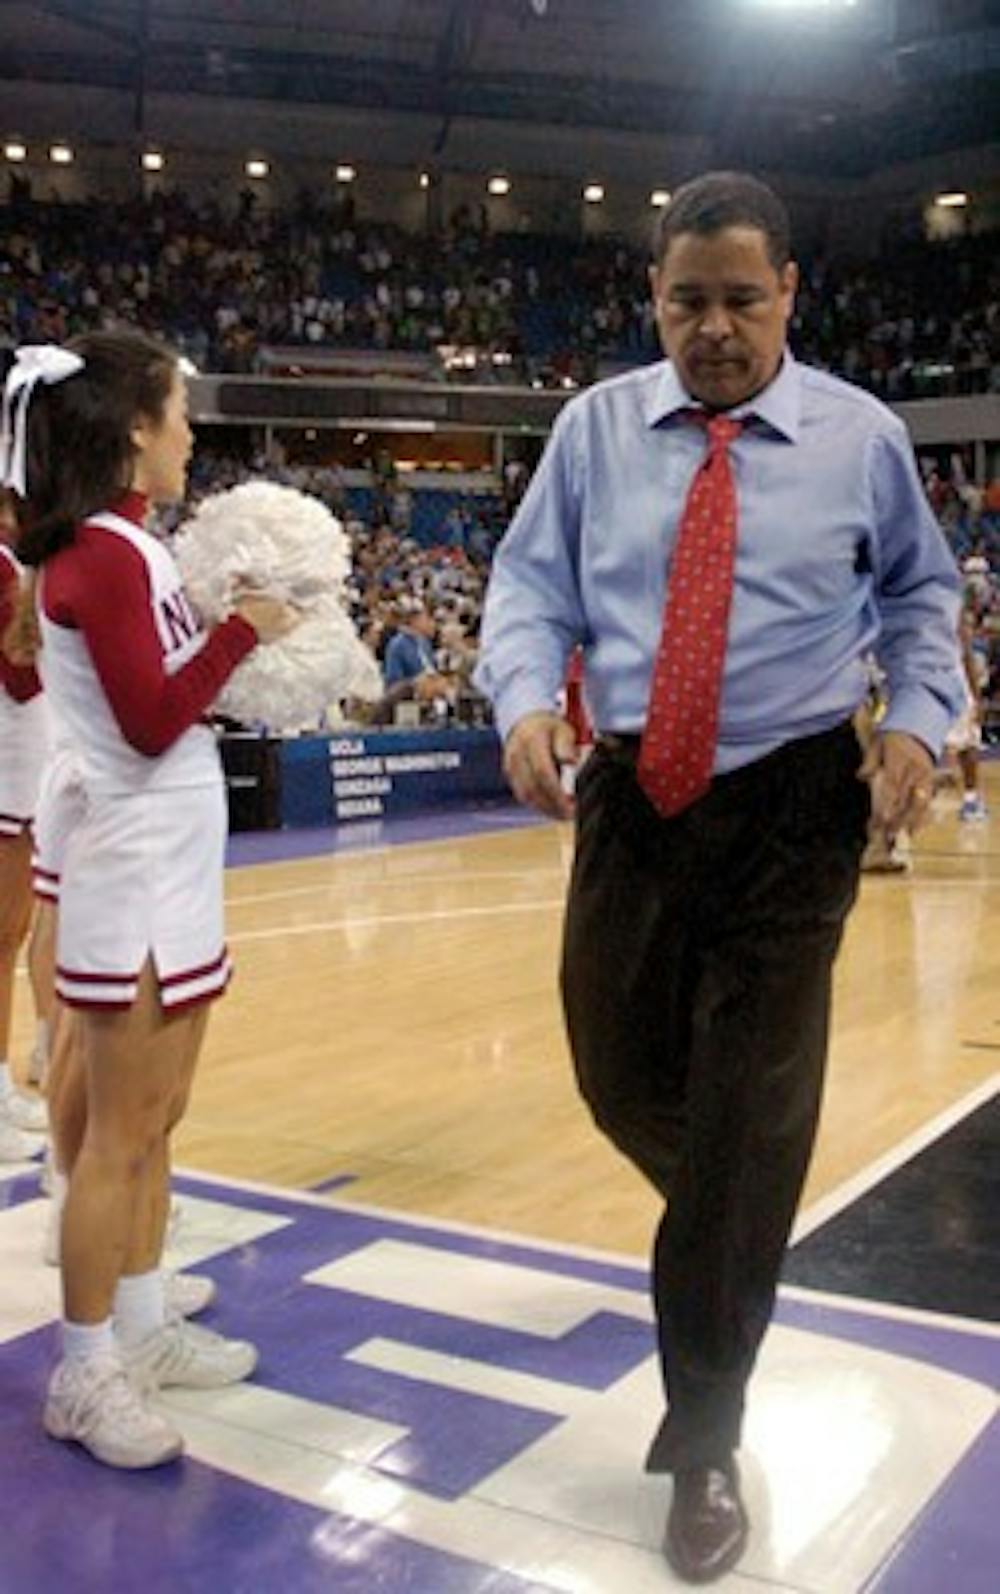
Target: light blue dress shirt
[838, 555]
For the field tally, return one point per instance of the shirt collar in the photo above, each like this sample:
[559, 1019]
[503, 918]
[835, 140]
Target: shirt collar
[779, 405]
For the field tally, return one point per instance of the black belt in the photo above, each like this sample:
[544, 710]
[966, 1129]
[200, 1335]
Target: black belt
[623, 744]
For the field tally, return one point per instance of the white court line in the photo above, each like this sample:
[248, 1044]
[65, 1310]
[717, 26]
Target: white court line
[459, 878]
[342, 1202]
[860, 1304]
[416, 1220]
[422, 917]
[827, 1207]
[472, 1376]
[977, 1326]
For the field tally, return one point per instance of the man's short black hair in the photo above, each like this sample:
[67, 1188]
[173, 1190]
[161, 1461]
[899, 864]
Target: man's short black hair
[725, 199]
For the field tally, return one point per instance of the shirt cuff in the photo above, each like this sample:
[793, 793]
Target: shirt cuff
[528, 698]
[917, 712]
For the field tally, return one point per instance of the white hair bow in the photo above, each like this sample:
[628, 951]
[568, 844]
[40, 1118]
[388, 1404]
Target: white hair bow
[33, 362]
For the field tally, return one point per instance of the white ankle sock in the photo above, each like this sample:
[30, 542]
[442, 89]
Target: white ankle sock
[87, 1339]
[6, 1083]
[58, 1185]
[138, 1308]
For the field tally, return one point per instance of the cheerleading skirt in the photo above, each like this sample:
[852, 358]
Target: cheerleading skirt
[142, 881]
[61, 807]
[24, 740]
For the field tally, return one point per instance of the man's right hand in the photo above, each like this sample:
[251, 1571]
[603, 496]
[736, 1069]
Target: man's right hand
[534, 752]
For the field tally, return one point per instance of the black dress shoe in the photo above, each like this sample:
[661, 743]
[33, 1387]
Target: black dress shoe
[707, 1527]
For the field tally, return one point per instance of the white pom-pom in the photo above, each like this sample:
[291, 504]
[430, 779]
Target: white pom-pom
[264, 538]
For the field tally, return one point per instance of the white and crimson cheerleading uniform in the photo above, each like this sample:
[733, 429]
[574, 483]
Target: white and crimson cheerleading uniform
[130, 671]
[24, 720]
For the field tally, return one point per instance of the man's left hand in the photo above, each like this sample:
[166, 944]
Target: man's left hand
[900, 771]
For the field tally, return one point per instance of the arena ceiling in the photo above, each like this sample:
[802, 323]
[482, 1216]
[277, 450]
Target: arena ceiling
[839, 88]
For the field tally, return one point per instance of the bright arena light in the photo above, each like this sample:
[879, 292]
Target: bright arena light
[15, 151]
[257, 168]
[593, 193]
[345, 174]
[659, 198]
[804, 5]
[425, 179]
[499, 186]
[954, 201]
[61, 155]
[153, 161]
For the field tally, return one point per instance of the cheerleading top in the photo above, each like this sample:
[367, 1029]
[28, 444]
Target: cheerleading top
[24, 720]
[127, 663]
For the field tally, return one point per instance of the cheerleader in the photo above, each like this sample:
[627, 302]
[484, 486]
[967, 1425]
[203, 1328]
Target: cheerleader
[96, 432]
[24, 740]
[60, 808]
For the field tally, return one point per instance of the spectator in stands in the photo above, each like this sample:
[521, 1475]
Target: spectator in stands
[515, 480]
[411, 651]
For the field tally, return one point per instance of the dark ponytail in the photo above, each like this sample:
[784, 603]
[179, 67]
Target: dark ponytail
[80, 456]
[22, 640]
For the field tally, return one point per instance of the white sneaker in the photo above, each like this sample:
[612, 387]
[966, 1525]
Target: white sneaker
[187, 1294]
[92, 1400]
[881, 858]
[14, 1146]
[24, 1111]
[973, 808]
[181, 1354]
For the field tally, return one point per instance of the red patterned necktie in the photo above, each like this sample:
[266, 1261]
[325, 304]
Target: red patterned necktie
[677, 754]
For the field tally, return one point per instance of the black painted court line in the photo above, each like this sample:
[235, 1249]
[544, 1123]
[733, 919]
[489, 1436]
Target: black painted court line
[926, 1236]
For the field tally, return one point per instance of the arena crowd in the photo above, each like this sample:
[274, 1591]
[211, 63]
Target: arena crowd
[225, 286]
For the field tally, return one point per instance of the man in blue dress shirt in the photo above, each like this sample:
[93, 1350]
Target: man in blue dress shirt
[698, 948]
[410, 653]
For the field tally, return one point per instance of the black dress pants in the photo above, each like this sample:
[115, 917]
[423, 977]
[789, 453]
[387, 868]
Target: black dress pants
[696, 983]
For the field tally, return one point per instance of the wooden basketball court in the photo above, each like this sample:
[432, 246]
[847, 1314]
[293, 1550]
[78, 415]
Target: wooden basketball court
[395, 1021]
